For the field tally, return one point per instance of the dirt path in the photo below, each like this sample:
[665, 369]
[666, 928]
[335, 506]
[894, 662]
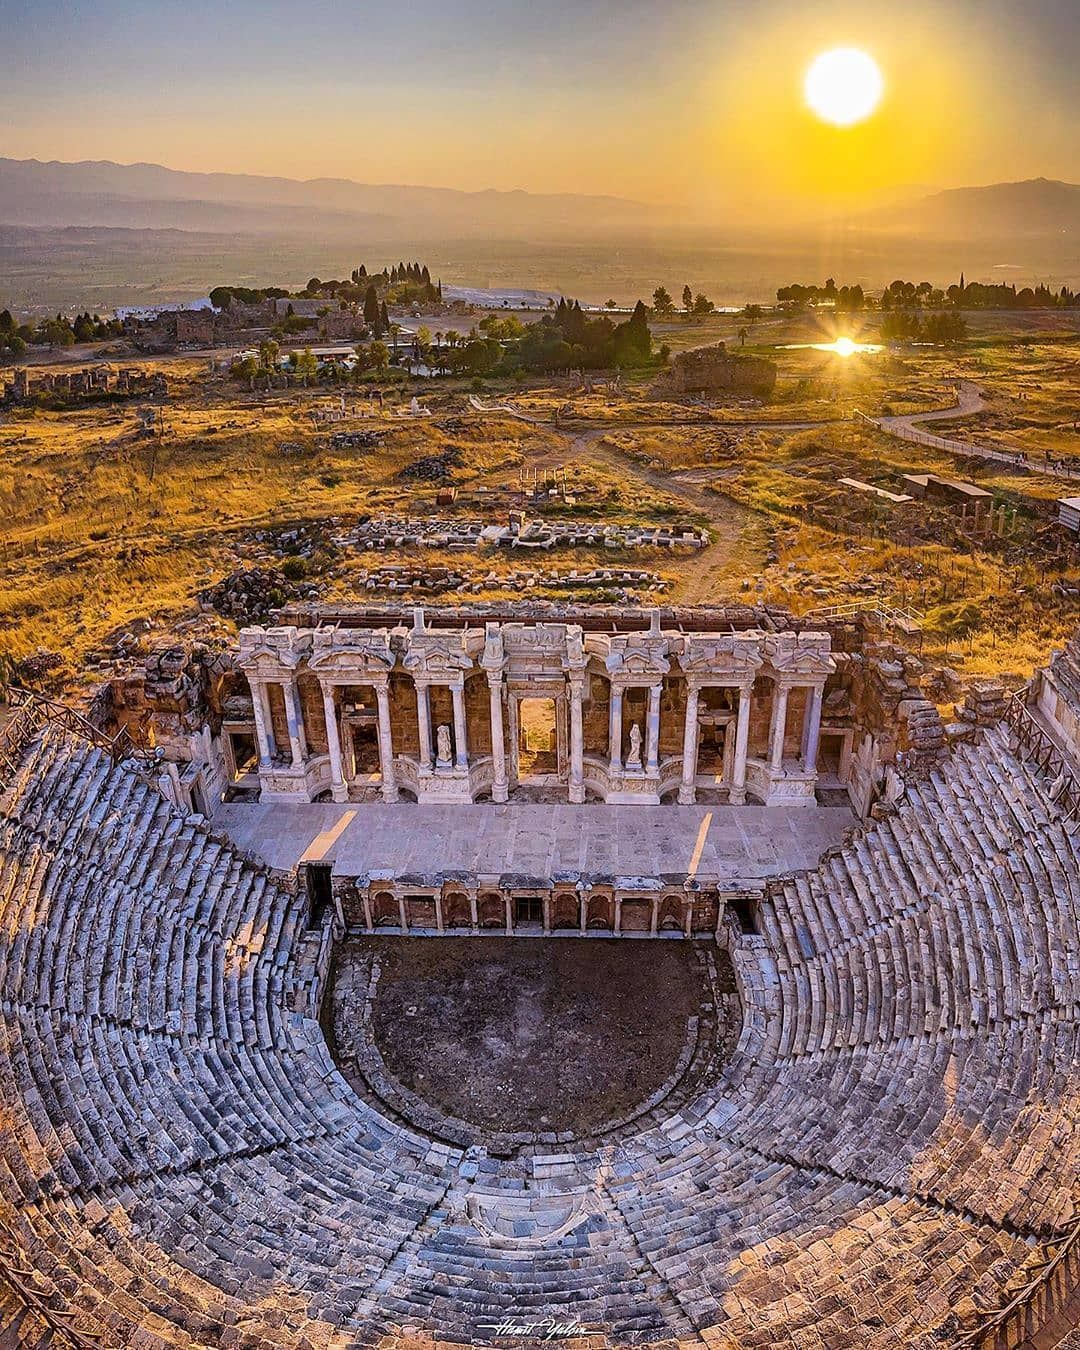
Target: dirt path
[727, 518]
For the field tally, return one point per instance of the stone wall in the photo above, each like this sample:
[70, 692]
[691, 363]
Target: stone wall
[716, 371]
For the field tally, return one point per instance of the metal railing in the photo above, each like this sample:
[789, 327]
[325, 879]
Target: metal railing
[895, 616]
[1034, 744]
[20, 1279]
[31, 711]
[1018, 458]
[985, 1324]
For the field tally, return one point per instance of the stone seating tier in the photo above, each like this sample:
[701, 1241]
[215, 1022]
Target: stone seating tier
[884, 1153]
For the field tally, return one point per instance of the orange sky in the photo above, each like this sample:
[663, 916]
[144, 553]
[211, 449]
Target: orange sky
[696, 104]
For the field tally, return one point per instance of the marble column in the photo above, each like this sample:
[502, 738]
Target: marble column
[812, 728]
[461, 750]
[386, 744]
[264, 734]
[577, 742]
[498, 743]
[779, 725]
[687, 789]
[615, 731]
[423, 722]
[737, 793]
[509, 915]
[652, 732]
[295, 722]
[654, 920]
[402, 916]
[338, 790]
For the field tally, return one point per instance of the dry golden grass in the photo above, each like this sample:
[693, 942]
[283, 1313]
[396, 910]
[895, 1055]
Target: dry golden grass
[99, 526]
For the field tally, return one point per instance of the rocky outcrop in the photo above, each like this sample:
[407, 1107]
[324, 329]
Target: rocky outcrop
[716, 371]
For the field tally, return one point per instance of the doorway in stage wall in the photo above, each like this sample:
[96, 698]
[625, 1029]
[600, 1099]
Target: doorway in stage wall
[538, 741]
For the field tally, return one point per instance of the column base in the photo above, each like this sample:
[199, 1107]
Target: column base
[737, 796]
[577, 794]
[687, 794]
[500, 793]
[390, 794]
[339, 792]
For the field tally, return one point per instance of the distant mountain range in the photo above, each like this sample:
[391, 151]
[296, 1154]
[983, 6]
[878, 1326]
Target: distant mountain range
[1036, 206]
[100, 234]
[148, 196]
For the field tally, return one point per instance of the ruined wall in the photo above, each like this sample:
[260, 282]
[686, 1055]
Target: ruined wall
[478, 715]
[312, 711]
[403, 725]
[594, 716]
[715, 370]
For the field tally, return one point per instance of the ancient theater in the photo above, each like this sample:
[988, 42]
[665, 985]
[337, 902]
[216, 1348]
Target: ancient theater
[296, 1050]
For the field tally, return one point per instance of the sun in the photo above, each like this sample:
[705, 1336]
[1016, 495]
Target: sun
[843, 86]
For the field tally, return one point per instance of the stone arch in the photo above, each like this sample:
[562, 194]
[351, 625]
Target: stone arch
[670, 918]
[491, 910]
[384, 910]
[600, 912]
[457, 913]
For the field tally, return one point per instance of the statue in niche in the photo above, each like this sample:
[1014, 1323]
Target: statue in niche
[442, 747]
[633, 759]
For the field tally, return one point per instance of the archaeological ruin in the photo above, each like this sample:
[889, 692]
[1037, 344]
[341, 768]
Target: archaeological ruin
[294, 1052]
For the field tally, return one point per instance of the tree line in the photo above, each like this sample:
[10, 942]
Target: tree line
[908, 295]
[404, 283]
[499, 345]
[56, 332]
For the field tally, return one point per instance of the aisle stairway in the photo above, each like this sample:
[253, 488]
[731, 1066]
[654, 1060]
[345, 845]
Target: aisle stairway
[182, 1164]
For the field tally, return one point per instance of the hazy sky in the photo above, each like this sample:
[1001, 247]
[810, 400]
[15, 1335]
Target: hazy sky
[671, 100]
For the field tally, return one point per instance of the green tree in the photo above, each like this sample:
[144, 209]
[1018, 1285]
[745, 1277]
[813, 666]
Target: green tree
[662, 303]
[379, 354]
[688, 300]
[268, 353]
[57, 332]
[305, 365]
[371, 308]
[247, 369]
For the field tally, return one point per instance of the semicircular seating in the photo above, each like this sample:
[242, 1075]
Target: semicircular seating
[181, 1163]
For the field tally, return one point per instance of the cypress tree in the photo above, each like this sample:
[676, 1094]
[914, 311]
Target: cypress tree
[371, 307]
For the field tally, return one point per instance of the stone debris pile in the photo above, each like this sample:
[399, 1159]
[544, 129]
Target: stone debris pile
[250, 594]
[434, 580]
[453, 533]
